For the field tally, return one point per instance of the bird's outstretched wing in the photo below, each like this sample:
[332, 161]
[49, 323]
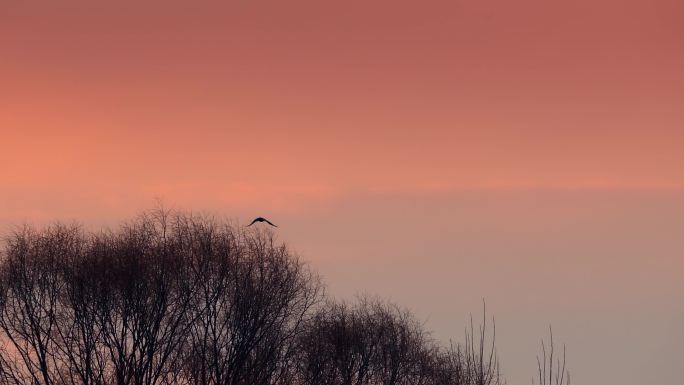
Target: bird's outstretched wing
[261, 219]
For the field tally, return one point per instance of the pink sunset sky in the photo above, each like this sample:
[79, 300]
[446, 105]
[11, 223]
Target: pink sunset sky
[431, 152]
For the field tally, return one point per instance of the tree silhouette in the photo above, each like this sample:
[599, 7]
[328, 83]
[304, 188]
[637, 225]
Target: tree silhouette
[551, 372]
[177, 298]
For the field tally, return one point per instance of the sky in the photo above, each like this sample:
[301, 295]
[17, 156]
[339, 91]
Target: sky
[432, 152]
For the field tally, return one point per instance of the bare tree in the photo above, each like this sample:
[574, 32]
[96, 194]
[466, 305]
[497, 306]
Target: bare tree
[78, 332]
[404, 345]
[369, 342]
[176, 298]
[447, 366]
[339, 346]
[31, 289]
[252, 301]
[167, 298]
[142, 314]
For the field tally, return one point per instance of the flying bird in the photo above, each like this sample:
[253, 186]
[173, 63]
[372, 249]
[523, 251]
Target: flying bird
[260, 219]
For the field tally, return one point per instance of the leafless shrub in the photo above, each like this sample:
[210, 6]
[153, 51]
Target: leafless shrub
[551, 372]
[481, 361]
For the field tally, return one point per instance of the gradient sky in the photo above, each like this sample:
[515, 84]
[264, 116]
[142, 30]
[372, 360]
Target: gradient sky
[528, 152]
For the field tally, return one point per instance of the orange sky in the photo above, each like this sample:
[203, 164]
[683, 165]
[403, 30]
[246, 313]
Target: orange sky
[545, 136]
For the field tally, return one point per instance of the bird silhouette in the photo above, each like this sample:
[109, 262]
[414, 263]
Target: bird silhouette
[260, 219]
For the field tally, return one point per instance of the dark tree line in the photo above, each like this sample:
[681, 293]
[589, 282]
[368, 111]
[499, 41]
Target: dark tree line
[173, 298]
